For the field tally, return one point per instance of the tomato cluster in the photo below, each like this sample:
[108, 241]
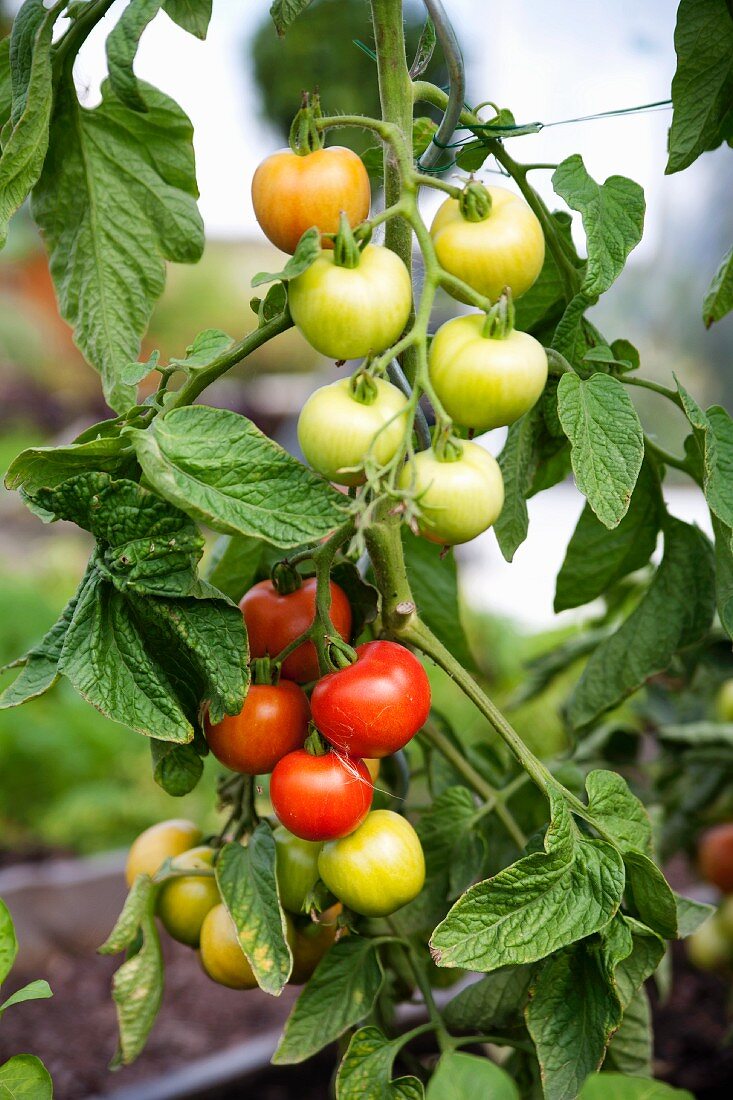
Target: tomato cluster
[354, 301]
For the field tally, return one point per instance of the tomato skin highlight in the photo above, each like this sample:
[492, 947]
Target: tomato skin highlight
[291, 193]
[296, 868]
[335, 431]
[320, 797]
[272, 722]
[373, 707]
[184, 902]
[715, 856]
[346, 313]
[458, 500]
[160, 842]
[482, 382]
[506, 249]
[274, 621]
[377, 869]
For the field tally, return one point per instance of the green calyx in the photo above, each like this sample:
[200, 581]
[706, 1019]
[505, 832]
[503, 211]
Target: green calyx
[500, 318]
[340, 654]
[346, 251]
[363, 387]
[263, 671]
[447, 447]
[305, 137]
[475, 202]
[315, 744]
[285, 578]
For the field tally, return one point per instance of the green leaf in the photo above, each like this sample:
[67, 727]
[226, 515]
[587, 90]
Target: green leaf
[434, 581]
[25, 1077]
[545, 299]
[122, 44]
[176, 768]
[34, 991]
[137, 989]
[234, 564]
[494, 1002]
[620, 812]
[425, 48]
[544, 902]
[423, 132]
[46, 467]
[724, 574]
[607, 442]
[572, 1014]
[192, 15]
[690, 915]
[272, 305]
[24, 149]
[518, 463]
[698, 733]
[307, 252]
[366, 1070]
[207, 347]
[702, 87]
[675, 612]
[596, 558]
[8, 942]
[117, 198]
[248, 887]
[718, 300]
[614, 1086]
[613, 219]
[574, 335]
[459, 1075]
[285, 12]
[630, 1051]
[6, 87]
[259, 491]
[141, 899]
[340, 994]
[652, 895]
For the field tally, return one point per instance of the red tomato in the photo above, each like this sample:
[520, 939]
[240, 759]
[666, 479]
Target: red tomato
[715, 856]
[320, 797]
[373, 707]
[272, 723]
[273, 621]
[291, 193]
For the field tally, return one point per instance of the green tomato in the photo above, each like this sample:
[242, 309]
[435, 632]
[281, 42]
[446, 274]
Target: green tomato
[296, 868]
[376, 869]
[506, 249]
[709, 948]
[459, 499]
[483, 382]
[724, 702]
[184, 902]
[335, 430]
[221, 955]
[348, 312]
[157, 844]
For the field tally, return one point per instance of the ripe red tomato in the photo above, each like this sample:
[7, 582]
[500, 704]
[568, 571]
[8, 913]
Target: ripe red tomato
[373, 707]
[291, 193]
[320, 797]
[272, 722]
[273, 621]
[715, 856]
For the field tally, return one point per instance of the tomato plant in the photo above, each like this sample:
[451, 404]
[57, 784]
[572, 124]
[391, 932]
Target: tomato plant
[538, 883]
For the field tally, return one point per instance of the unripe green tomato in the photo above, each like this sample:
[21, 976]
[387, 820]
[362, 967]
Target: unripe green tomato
[221, 955]
[483, 382]
[157, 844]
[458, 500]
[335, 431]
[348, 312]
[184, 902]
[376, 869]
[507, 249]
[296, 868]
[709, 948]
[724, 702]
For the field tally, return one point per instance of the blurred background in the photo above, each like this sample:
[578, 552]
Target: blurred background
[73, 782]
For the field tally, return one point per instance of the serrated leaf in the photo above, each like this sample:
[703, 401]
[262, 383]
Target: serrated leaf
[260, 490]
[494, 1002]
[137, 989]
[117, 198]
[6, 86]
[518, 464]
[248, 887]
[122, 45]
[702, 87]
[613, 219]
[307, 252]
[724, 574]
[285, 12]
[140, 899]
[341, 992]
[207, 347]
[630, 1051]
[34, 991]
[675, 612]
[596, 558]
[574, 334]
[192, 15]
[176, 768]
[614, 1086]
[434, 582]
[572, 1014]
[621, 813]
[46, 467]
[545, 901]
[8, 942]
[25, 147]
[606, 439]
[366, 1070]
[25, 1077]
[718, 299]
[652, 895]
[272, 305]
[459, 1075]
